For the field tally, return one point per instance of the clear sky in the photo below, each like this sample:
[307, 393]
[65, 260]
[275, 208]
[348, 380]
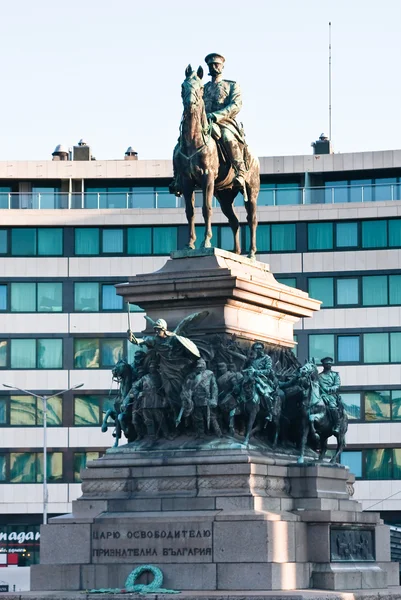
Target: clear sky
[110, 71]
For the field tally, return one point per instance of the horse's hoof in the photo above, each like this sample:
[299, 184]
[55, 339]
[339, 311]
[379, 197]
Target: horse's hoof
[252, 256]
[190, 246]
[104, 428]
[206, 244]
[301, 460]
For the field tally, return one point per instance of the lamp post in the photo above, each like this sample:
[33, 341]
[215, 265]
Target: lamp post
[44, 402]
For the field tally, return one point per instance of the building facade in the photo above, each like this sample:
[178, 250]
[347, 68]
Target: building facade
[71, 229]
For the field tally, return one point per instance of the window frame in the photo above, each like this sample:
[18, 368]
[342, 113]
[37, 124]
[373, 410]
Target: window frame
[102, 341]
[37, 340]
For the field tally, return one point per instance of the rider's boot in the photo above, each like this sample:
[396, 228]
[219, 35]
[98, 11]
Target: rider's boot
[237, 161]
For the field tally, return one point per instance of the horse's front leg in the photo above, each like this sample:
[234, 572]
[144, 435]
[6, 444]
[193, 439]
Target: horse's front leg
[189, 197]
[304, 437]
[208, 190]
[251, 421]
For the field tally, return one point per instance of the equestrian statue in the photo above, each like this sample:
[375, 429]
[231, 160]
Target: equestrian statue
[212, 153]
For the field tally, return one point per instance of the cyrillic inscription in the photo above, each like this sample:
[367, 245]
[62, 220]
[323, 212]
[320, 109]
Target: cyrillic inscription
[164, 543]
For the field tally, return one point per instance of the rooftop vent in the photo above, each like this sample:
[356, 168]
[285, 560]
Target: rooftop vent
[131, 154]
[60, 153]
[322, 145]
[82, 151]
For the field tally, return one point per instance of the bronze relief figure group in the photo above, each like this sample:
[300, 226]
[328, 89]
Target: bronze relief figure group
[202, 389]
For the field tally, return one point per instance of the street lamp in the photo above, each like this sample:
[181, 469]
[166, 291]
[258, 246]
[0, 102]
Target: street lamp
[44, 401]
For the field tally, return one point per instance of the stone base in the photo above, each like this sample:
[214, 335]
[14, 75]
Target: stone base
[215, 520]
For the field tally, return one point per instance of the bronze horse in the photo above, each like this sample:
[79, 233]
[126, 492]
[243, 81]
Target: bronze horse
[315, 419]
[197, 163]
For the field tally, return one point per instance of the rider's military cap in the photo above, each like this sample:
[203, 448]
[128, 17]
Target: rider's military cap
[327, 359]
[214, 58]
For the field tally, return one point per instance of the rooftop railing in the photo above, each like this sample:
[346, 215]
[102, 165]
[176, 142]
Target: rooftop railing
[151, 199]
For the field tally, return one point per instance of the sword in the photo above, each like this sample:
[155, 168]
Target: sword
[131, 336]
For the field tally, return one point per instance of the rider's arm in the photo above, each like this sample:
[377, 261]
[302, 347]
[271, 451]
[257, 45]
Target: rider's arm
[233, 107]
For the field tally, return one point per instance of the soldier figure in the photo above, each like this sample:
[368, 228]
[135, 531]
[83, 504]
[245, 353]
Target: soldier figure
[150, 402]
[267, 382]
[199, 396]
[228, 384]
[329, 384]
[223, 102]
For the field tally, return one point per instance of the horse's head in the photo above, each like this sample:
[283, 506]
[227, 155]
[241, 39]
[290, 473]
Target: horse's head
[192, 88]
[248, 386]
[309, 369]
[120, 369]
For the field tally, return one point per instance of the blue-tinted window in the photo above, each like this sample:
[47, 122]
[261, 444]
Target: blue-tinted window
[95, 198]
[117, 197]
[23, 241]
[50, 354]
[288, 193]
[23, 354]
[360, 190]
[385, 188]
[142, 197]
[86, 296]
[3, 352]
[283, 237]
[110, 300]
[352, 403]
[3, 297]
[23, 297]
[348, 348]
[267, 194]
[377, 405]
[87, 241]
[112, 241]
[49, 297]
[320, 236]
[347, 235]
[4, 196]
[374, 290]
[394, 233]
[376, 348]
[165, 199]
[139, 241]
[321, 345]
[3, 241]
[164, 240]
[395, 289]
[374, 234]
[336, 191]
[395, 347]
[262, 238]
[322, 288]
[353, 460]
[290, 281]
[379, 463]
[347, 291]
[44, 197]
[200, 234]
[50, 241]
[227, 238]
[112, 350]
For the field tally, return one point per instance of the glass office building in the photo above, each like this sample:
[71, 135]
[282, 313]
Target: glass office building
[69, 231]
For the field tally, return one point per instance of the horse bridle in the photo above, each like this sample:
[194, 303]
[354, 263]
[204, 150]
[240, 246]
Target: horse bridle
[205, 131]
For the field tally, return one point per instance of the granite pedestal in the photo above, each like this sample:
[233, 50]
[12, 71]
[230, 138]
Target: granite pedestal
[215, 520]
[216, 515]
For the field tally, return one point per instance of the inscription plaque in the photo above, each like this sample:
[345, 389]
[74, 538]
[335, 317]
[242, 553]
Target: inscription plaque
[142, 542]
[351, 544]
